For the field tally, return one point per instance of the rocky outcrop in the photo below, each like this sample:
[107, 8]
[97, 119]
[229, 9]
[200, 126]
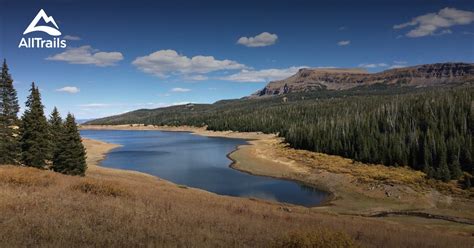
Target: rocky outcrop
[306, 80]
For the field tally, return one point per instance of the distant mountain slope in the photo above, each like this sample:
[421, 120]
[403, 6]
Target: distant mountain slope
[306, 80]
[309, 85]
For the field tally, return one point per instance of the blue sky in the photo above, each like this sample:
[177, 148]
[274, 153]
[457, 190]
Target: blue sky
[127, 55]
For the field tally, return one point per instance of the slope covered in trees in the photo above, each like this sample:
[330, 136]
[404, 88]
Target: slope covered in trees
[426, 129]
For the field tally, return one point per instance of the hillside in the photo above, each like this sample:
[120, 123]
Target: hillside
[312, 84]
[116, 208]
[424, 123]
[306, 80]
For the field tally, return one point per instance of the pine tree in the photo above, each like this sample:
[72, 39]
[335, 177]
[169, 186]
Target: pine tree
[9, 144]
[71, 156]
[34, 131]
[455, 169]
[467, 182]
[55, 131]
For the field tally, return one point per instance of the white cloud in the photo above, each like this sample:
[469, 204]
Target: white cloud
[87, 55]
[165, 62]
[429, 23]
[344, 43]
[69, 89]
[399, 62]
[261, 40]
[443, 32]
[71, 37]
[196, 77]
[256, 76]
[180, 90]
[397, 66]
[373, 65]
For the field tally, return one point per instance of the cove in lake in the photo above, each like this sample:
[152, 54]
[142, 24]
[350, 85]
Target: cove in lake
[199, 162]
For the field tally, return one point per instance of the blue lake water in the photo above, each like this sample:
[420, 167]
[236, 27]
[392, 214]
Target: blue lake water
[199, 162]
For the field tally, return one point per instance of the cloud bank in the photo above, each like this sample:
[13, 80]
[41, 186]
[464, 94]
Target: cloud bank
[87, 55]
[261, 40]
[428, 24]
[69, 89]
[265, 75]
[344, 43]
[180, 90]
[162, 63]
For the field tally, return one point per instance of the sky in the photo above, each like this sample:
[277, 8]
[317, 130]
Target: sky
[127, 55]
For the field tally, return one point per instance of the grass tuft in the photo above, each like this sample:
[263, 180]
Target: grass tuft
[323, 238]
[100, 188]
[29, 177]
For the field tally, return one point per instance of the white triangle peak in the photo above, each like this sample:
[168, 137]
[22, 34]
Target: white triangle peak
[47, 29]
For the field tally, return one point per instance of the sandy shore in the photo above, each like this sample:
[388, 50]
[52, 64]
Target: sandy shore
[357, 189]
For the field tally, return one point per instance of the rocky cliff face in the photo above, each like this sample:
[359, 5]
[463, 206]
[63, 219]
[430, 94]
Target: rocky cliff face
[306, 80]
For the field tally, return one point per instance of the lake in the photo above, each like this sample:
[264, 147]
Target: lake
[199, 162]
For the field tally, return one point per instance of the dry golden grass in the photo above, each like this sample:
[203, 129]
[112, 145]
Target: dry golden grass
[100, 188]
[128, 210]
[28, 178]
[364, 173]
[319, 238]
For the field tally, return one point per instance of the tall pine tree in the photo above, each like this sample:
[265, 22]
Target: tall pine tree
[9, 145]
[71, 155]
[34, 131]
[55, 132]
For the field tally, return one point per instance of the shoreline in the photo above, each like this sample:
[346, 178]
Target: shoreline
[233, 165]
[325, 202]
[352, 192]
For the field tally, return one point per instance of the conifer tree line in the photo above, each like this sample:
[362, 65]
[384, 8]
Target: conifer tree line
[429, 130]
[34, 140]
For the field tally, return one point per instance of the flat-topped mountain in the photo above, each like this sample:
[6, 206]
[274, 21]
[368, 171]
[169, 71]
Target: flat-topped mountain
[306, 80]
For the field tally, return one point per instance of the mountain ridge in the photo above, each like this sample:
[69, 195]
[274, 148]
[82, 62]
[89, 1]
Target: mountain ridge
[426, 75]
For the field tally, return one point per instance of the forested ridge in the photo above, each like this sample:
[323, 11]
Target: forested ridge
[427, 129]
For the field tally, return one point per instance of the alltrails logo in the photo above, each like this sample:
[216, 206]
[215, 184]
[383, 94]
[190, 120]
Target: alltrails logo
[38, 42]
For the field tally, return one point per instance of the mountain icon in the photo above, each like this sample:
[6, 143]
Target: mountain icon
[47, 29]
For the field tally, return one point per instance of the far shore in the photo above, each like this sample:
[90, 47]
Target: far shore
[357, 189]
[196, 130]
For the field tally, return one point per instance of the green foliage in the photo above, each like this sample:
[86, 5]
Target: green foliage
[9, 143]
[427, 129]
[70, 156]
[55, 132]
[34, 130]
[37, 141]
